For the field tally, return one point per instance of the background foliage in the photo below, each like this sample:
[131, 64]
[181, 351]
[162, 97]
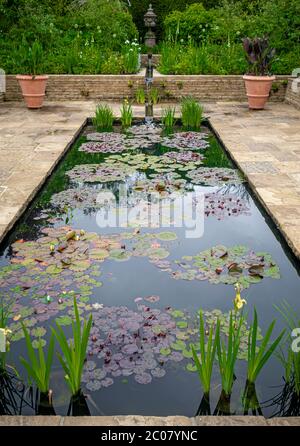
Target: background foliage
[77, 37]
[88, 36]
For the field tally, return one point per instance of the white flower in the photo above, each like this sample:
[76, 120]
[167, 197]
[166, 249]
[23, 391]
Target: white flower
[127, 42]
[97, 306]
[114, 36]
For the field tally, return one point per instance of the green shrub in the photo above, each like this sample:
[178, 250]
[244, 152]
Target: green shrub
[204, 59]
[76, 38]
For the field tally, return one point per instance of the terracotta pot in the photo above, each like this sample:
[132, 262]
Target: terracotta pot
[258, 90]
[33, 89]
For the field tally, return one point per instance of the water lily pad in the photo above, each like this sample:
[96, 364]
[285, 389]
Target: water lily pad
[38, 332]
[191, 367]
[39, 342]
[166, 236]
[144, 378]
[215, 176]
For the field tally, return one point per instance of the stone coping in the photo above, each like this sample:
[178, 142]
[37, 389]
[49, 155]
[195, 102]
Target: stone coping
[137, 420]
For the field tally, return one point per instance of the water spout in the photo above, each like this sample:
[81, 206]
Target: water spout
[149, 82]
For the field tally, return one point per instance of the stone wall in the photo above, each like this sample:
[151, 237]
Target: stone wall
[114, 87]
[293, 92]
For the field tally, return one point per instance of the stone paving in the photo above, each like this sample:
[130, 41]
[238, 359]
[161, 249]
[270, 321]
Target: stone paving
[264, 144]
[137, 420]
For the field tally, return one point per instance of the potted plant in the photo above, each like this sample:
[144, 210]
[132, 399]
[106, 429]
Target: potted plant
[258, 81]
[33, 84]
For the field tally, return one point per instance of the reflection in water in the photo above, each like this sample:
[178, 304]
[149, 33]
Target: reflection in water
[223, 405]
[78, 406]
[204, 407]
[13, 395]
[250, 400]
[286, 403]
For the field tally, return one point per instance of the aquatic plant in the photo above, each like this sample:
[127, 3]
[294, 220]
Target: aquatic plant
[215, 176]
[102, 173]
[228, 352]
[154, 96]
[258, 357]
[6, 306]
[140, 96]
[104, 118]
[126, 114]
[191, 113]
[291, 361]
[228, 265]
[205, 360]
[38, 366]
[186, 141]
[168, 118]
[74, 351]
[137, 137]
[238, 302]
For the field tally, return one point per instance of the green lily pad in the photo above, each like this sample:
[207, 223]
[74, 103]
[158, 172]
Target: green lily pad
[182, 324]
[38, 332]
[191, 367]
[165, 351]
[165, 236]
[39, 342]
[64, 320]
[119, 255]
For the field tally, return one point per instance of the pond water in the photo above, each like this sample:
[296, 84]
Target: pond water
[143, 285]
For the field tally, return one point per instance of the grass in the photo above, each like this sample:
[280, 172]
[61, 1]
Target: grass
[104, 118]
[73, 351]
[191, 113]
[205, 361]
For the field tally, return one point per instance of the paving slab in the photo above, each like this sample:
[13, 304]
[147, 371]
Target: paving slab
[137, 420]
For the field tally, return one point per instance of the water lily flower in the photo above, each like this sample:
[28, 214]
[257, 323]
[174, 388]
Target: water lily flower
[238, 301]
[97, 306]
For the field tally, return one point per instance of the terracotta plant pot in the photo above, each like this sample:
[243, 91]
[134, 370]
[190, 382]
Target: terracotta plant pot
[258, 90]
[33, 89]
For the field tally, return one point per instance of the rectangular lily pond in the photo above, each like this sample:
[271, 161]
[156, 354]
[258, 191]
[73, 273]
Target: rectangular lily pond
[208, 246]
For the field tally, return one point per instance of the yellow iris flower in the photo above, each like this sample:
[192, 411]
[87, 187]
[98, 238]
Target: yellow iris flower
[238, 301]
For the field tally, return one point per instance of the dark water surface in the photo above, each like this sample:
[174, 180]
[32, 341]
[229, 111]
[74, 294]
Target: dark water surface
[178, 392]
